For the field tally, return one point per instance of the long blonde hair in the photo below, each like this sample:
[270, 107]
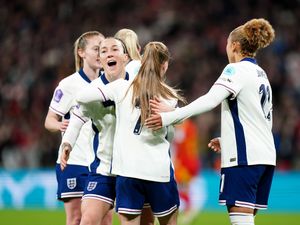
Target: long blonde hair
[150, 82]
[253, 35]
[131, 41]
[81, 43]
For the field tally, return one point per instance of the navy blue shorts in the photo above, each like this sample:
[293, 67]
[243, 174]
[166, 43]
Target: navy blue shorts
[133, 193]
[100, 187]
[246, 186]
[71, 181]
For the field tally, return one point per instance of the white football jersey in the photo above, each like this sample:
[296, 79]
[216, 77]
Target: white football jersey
[62, 103]
[132, 68]
[138, 152]
[246, 136]
[104, 123]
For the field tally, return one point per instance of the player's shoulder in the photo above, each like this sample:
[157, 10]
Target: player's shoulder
[69, 80]
[98, 82]
[118, 88]
[121, 82]
[231, 69]
[134, 63]
[133, 68]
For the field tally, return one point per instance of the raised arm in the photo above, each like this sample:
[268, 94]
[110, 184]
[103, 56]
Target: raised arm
[202, 104]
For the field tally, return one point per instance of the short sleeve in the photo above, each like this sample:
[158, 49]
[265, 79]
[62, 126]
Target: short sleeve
[62, 100]
[231, 80]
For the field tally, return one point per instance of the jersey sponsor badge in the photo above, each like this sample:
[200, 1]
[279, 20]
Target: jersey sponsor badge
[91, 185]
[58, 95]
[229, 70]
[71, 183]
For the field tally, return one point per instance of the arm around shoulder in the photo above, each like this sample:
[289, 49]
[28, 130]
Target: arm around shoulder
[90, 94]
[201, 105]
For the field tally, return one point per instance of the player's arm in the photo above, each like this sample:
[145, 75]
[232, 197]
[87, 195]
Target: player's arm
[53, 122]
[202, 104]
[91, 94]
[60, 105]
[70, 136]
[66, 150]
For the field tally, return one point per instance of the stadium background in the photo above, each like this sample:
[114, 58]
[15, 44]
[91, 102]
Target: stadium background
[36, 39]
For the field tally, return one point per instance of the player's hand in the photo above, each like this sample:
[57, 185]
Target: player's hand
[63, 125]
[157, 106]
[154, 122]
[66, 149]
[215, 145]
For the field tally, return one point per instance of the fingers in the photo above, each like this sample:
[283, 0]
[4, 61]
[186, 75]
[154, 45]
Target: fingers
[150, 122]
[214, 144]
[63, 165]
[154, 105]
[66, 149]
[154, 122]
[214, 148]
[64, 125]
[157, 99]
[63, 160]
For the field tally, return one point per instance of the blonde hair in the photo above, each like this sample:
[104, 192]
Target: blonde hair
[253, 35]
[131, 41]
[150, 81]
[81, 43]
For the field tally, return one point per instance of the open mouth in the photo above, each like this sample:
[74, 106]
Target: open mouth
[112, 63]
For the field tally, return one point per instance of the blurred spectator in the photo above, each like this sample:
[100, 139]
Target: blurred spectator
[186, 158]
[36, 37]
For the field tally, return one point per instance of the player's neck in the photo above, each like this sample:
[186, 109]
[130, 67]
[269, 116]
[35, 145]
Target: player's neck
[112, 78]
[92, 74]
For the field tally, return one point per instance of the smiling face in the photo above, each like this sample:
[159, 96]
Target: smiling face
[113, 58]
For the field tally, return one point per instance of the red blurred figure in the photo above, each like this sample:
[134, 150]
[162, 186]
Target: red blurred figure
[186, 161]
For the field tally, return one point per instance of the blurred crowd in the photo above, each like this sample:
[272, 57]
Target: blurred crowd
[36, 42]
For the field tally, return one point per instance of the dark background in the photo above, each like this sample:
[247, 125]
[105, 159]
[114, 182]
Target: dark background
[36, 45]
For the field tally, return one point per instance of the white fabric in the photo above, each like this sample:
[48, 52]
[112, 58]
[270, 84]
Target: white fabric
[241, 219]
[74, 127]
[63, 101]
[103, 117]
[141, 154]
[246, 136]
[203, 104]
[132, 68]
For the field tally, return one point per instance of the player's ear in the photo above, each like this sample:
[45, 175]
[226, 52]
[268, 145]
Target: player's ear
[236, 46]
[81, 52]
[126, 57]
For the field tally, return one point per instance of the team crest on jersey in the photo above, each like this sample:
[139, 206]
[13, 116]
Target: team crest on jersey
[71, 183]
[91, 185]
[58, 95]
[229, 71]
